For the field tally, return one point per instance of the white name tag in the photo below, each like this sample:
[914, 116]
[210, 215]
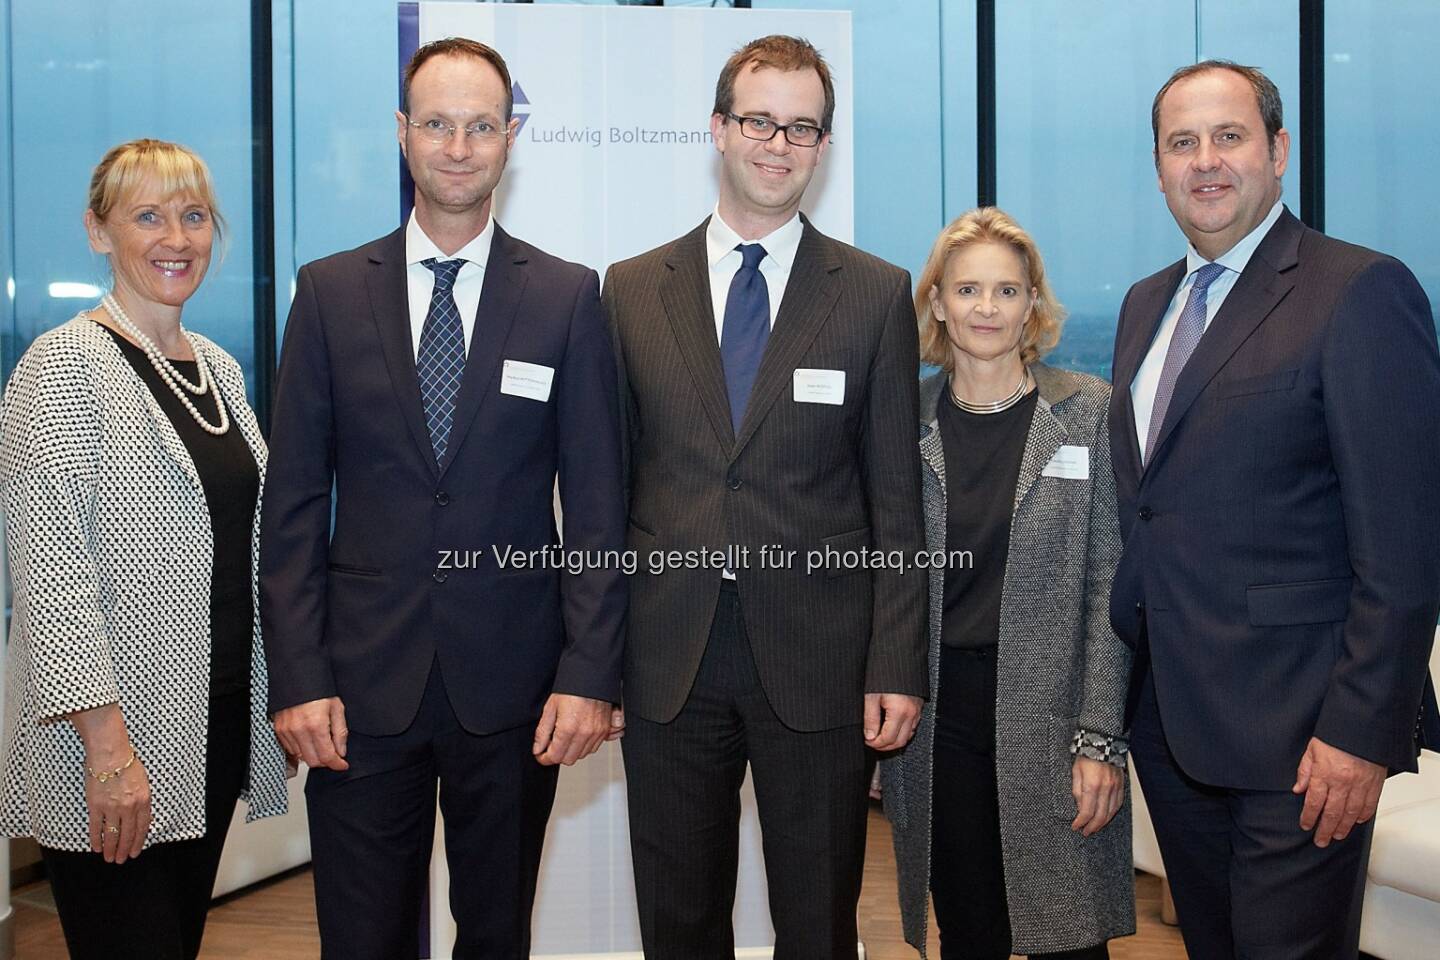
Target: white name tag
[820, 386]
[1069, 463]
[529, 380]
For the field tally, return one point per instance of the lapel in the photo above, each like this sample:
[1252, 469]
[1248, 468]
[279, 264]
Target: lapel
[1260, 288]
[499, 305]
[1148, 310]
[165, 430]
[685, 292]
[1047, 433]
[932, 451]
[810, 293]
[170, 441]
[390, 308]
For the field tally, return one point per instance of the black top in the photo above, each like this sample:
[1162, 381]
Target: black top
[982, 465]
[232, 484]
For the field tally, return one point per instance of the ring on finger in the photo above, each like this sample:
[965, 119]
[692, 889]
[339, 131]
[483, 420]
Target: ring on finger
[111, 828]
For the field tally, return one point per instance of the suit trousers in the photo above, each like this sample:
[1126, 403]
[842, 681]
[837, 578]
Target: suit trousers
[1247, 881]
[154, 906]
[967, 867]
[372, 827]
[683, 780]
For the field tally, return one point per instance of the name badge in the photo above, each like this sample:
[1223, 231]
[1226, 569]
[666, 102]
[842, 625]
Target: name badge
[1069, 463]
[529, 380]
[820, 386]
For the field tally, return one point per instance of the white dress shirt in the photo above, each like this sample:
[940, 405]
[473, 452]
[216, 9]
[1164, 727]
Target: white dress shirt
[420, 281]
[1147, 378]
[780, 247]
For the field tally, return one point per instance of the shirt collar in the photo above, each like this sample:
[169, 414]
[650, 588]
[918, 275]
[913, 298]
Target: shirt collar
[781, 244]
[419, 246]
[1238, 256]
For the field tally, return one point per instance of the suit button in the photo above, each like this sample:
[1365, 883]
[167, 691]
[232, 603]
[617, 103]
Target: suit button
[442, 498]
[440, 576]
[734, 483]
[1139, 609]
[1146, 513]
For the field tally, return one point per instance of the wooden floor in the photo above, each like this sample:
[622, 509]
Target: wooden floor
[276, 921]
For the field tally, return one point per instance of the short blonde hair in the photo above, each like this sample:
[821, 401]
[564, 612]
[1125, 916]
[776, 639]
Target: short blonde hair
[988, 225]
[177, 169]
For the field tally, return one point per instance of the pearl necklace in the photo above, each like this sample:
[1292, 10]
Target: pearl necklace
[172, 377]
[998, 405]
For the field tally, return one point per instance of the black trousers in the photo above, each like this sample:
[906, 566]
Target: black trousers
[372, 827]
[1247, 881]
[967, 872]
[683, 781]
[153, 907]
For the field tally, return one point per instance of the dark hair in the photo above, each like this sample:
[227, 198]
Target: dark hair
[457, 47]
[780, 53]
[1267, 96]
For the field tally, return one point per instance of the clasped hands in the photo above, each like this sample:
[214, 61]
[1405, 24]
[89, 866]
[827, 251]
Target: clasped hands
[570, 729]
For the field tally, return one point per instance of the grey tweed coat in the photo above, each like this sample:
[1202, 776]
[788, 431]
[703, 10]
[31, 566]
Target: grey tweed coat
[1061, 683]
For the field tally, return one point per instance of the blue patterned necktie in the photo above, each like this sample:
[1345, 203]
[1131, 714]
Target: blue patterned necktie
[745, 329]
[441, 360]
[1188, 330]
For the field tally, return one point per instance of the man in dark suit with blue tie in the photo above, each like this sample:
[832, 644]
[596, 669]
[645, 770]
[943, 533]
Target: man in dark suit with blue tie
[433, 384]
[1276, 454]
[768, 382]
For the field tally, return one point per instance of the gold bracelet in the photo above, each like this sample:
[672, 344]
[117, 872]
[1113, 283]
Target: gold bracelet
[105, 775]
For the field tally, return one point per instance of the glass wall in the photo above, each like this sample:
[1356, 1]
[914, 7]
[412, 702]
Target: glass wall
[105, 72]
[1382, 130]
[1074, 164]
[1072, 87]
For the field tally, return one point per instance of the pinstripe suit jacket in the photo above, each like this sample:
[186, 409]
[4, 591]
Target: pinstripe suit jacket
[805, 476]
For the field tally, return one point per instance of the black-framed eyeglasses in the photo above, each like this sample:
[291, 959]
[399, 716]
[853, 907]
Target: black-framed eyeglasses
[440, 131]
[763, 128]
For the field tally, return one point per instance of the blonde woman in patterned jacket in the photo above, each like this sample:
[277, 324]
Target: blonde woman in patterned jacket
[130, 470]
[1009, 804]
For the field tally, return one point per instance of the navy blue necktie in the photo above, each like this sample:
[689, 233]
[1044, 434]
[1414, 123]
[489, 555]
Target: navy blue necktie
[745, 329]
[441, 360]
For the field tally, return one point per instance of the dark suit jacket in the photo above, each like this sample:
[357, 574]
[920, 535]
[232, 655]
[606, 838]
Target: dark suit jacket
[805, 476]
[1282, 546]
[363, 612]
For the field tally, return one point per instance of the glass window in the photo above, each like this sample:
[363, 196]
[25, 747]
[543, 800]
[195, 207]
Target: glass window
[1073, 151]
[137, 69]
[1382, 130]
[1074, 83]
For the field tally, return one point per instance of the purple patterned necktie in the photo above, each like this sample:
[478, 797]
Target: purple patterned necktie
[441, 360]
[1188, 330]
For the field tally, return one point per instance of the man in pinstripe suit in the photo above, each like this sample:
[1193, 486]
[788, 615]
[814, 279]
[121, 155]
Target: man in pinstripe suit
[769, 399]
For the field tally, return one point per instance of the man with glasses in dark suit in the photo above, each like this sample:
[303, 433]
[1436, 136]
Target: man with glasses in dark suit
[769, 401]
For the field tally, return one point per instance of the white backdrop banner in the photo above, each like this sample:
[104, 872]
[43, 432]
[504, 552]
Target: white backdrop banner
[614, 156]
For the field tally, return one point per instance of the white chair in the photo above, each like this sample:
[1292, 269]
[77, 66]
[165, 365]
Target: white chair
[259, 850]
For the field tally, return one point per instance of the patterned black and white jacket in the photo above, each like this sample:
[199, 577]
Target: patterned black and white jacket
[110, 550]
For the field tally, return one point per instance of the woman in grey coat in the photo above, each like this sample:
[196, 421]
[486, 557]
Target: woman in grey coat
[1009, 806]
